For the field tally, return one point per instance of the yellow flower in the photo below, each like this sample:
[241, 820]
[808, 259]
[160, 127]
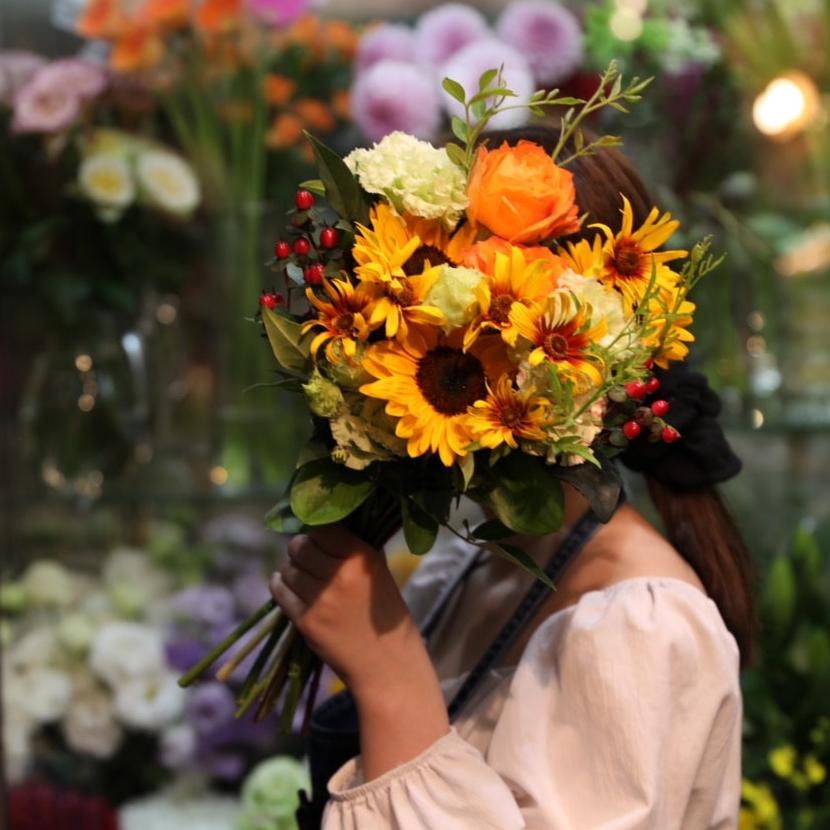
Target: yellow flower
[667, 330]
[401, 303]
[762, 810]
[513, 280]
[782, 760]
[507, 415]
[815, 771]
[560, 331]
[429, 383]
[630, 257]
[584, 257]
[343, 318]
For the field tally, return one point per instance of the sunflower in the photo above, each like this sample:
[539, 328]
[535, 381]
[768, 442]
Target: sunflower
[343, 316]
[429, 382]
[561, 332]
[507, 415]
[584, 257]
[400, 246]
[630, 257]
[514, 279]
[667, 332]
[401, 302]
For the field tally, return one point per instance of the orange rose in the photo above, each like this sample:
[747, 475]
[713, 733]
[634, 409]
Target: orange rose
[520, 194]
[482, 255]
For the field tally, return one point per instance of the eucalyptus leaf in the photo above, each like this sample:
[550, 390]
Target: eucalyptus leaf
[454, 89]
[492, 531]
[291, 348]
[601, 486]
[456, 154]
[519, 557]
[342, 189]
[324, 492]
[487, 78]
[419, 528]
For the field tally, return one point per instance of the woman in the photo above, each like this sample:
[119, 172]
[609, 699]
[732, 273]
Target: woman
[618, 703]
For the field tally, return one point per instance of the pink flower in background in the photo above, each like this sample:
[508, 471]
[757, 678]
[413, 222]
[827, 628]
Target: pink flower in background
[389, 41]
[16, 68]
[468, 65]
[277, 12]
[81, 77]
[393, 95]
[547, 34]
[442, 32]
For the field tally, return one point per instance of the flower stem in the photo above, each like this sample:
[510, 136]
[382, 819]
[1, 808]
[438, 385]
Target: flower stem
[228, 668]
[262, 658]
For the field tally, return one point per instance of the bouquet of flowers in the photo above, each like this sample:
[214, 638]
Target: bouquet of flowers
[450, 340]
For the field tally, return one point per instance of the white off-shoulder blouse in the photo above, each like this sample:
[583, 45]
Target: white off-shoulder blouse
[623, 713]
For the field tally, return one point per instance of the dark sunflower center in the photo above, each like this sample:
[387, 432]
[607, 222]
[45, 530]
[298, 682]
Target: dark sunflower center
[404, 297]
[628, 258]
[556, 346]
[500, 309]
[344, 322]
[450, 380]
[417, 262]
[511, 415]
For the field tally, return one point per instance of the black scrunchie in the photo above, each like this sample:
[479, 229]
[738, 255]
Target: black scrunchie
[702, 456]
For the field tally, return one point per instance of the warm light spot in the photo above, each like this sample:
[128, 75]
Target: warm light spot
[756, 418]
[756, 344]
[634, 6]
[756, 320]
[786, 106]
[626, 24]
[86, 402]
[51, 475]
[83, 362]
[218, 475]
[166, 313]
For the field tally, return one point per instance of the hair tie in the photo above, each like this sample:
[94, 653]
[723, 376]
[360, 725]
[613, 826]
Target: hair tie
[702, 456]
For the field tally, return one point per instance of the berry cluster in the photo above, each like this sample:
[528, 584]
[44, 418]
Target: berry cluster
[635, 416]
[311, 251]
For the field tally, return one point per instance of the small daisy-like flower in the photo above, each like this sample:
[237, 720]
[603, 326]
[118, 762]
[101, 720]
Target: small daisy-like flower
[507, 416]
[404, 302]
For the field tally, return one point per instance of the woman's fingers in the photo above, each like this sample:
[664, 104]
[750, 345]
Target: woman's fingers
[306, 555]
[286, 598]
[306, 586]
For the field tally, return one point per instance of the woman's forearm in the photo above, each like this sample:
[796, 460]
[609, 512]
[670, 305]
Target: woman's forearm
[402, 711]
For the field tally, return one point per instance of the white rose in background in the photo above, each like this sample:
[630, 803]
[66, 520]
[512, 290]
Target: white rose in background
[42, 693]
[48, 583]
[75, 633]
[106, 179]
[150, 702]
[34, 649]
[180, 811]
[17, 736]
[414, 176]
[89, 725]
[133, 582]
[123, 651]
[167, 181]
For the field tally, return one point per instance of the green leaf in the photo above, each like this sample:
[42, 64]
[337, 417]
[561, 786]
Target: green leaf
[281, 519]
[523, 560]
[525, 495]
[291, 348]
[779, 597]
[454, 89]
[419, 528]
[600, 486]
[568, 101]
[492, 531]
[487, 78]
[459, 129]
[479, 110]
[324, 492]
[342, 189]
[456, 154]
[314, 185]
[492, 92]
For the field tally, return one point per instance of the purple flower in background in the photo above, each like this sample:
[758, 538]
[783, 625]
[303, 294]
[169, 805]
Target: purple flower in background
[210, 706]
[442, 32]
[277, 12]
[250, 590]
[226, 766]
[210, 605]
[393, 95]
[240, 532]
[547, 34]
[389, 41]
[16, 68]
[182, 653]
[474, 60]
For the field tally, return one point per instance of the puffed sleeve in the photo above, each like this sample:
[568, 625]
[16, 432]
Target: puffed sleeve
[623, 714]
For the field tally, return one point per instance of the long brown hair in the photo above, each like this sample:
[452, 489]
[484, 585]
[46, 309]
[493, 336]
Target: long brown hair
[697, 523]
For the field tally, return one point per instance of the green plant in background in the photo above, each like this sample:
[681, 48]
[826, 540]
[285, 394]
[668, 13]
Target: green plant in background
[787, 723]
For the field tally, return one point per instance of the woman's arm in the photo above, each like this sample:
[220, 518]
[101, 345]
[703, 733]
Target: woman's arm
[341, 596]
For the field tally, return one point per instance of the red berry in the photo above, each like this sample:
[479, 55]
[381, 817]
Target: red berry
[282, 250]
[652, 385]
[268, 300]
[660, 408]
[303, 199]
[669, 435]
[636, 389]
[314, 274]
[302, 247]
[329, 238]
[631, 429]
[649, 364]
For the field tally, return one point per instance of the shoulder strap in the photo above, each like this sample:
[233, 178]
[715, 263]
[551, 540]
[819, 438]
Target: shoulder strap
[527, 608]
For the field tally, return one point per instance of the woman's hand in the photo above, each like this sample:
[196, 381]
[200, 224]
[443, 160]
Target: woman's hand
[341, 596]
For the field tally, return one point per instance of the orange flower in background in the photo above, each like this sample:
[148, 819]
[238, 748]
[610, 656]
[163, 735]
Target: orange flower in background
[482, 255]
[101, 19]
[278, 89]
[216, 16]
[286, 131]
[138, 48]
[521, 195]
[341, 104]
[316, 114]
[342, 37]
[167, 13]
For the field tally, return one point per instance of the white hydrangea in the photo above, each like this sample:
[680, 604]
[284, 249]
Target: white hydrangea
[123, 651]
[49, 583]
[454, 294]
[150, 702]
[173, 811]
[89, 725]
[365, 433]
[414, 176]
[605, 304]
